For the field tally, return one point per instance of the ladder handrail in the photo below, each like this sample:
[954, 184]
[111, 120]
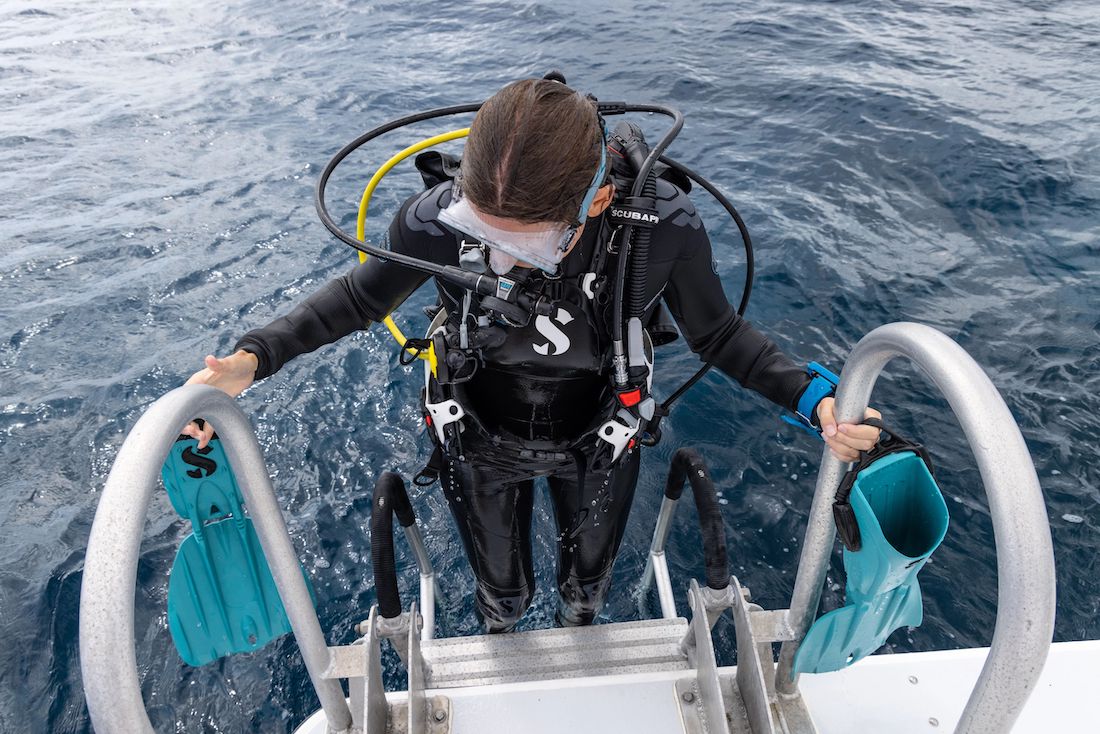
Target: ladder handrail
[108, 659]
[1025, 556]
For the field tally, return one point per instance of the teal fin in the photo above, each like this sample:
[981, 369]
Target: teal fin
[221, 596]
[902, 519]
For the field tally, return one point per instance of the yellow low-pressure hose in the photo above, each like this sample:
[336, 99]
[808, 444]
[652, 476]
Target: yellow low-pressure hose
[360, 224]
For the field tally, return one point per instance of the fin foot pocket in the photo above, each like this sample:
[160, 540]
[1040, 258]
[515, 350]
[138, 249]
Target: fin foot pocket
[901, 518]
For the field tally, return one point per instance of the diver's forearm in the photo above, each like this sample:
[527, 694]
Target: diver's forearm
[325, 317]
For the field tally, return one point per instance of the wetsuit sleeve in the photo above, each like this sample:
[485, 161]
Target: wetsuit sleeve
[346, 304]
[715, 331]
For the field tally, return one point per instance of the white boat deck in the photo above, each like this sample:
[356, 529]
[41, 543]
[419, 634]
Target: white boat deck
[913, 693]
[926, 692]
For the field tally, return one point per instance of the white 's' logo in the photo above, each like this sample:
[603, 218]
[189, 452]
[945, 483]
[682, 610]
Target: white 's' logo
[556, 336]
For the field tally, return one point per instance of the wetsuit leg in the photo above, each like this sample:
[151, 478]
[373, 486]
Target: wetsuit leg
[591, 520]
[492, 508]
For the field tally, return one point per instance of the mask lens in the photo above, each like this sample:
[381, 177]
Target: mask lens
[542, 245]
[539, 245]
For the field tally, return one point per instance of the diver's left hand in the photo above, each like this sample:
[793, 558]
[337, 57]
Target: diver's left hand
[846, 440]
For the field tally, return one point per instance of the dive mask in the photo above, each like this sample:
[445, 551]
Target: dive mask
[542, 245]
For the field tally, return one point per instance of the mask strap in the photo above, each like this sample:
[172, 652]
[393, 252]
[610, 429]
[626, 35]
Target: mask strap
[586, 203]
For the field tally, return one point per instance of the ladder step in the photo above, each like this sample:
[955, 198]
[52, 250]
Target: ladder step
[626, 647]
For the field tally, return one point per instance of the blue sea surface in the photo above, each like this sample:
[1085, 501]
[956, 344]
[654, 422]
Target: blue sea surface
[933, 161]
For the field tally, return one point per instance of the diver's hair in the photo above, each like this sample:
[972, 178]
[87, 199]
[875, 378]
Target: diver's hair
[532, 151]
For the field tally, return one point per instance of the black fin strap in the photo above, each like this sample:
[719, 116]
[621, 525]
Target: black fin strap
[411, 350]
[877, 423]
[889, 443]
[427, 476]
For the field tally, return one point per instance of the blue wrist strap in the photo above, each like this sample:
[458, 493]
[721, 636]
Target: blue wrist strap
[822, 385]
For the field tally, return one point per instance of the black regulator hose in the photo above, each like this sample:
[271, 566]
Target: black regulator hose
[389, 499]
[750, 267]
[322, 183]
[688, 465]
[639, 260]
[750, 259]
[627, 240]
[481, 284]
[637, 237]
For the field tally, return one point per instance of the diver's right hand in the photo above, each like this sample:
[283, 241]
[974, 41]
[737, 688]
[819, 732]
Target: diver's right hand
[231, 375]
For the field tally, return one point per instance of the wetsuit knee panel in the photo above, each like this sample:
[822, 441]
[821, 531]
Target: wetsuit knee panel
[502, 610]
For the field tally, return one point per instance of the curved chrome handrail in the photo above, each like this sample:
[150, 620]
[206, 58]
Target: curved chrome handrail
[1025, 556]
[108, 660]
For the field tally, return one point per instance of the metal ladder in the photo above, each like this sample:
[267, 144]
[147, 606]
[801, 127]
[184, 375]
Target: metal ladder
[1025, 556]
[763, 698]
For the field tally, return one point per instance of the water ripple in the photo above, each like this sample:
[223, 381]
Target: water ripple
[931, 161]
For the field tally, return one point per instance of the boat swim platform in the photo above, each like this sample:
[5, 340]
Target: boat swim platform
[624, 679]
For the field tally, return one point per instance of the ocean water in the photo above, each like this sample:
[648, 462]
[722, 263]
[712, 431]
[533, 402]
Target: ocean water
[932, 161]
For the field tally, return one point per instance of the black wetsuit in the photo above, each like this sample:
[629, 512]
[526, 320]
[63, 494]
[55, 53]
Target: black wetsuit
[546, 385]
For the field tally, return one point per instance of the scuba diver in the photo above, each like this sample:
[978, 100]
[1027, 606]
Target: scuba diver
[558, 389]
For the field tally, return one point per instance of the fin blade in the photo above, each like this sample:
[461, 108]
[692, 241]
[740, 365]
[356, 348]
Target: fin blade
[217, 606]
[222, 598]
